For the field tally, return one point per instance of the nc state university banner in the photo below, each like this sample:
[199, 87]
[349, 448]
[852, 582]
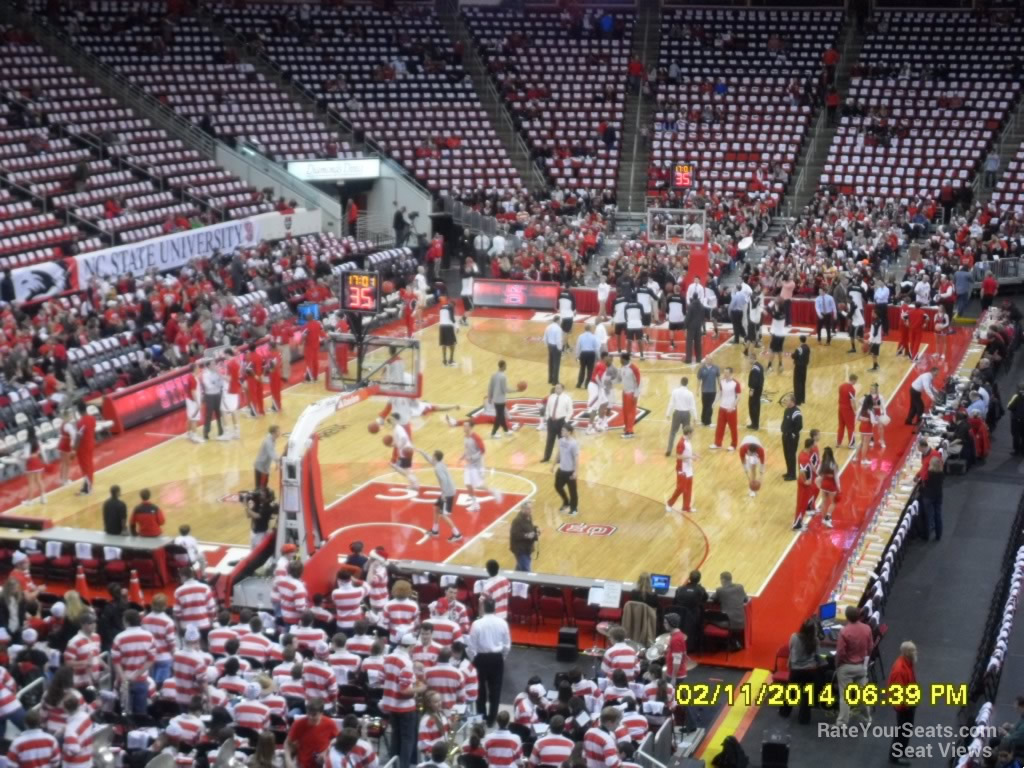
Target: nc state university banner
[162, 254]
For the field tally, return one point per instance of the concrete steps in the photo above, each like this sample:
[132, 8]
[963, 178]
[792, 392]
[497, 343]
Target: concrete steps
[638, 114]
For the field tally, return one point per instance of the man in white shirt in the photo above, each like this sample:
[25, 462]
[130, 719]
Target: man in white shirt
[488, 645]
[557, 412]
[728, 400]
[921, 385]
[555, 340]
[603, 292]
[682, 407]
[213, 387]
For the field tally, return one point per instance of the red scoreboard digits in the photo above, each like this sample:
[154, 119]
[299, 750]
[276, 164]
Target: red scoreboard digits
[360, 292]
[682, 175]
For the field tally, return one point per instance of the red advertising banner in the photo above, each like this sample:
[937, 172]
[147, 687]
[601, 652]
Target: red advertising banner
[515, 294]
[147, 400]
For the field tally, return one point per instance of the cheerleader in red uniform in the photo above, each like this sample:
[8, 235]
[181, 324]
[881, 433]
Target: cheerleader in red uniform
[866, 426]
[941, 327]
[254, 381]
[409, 310]
[828, 485]
[881, 416]
[34, 468]
[752, 458]
[903, 348]
[272, 367]
[66, 449]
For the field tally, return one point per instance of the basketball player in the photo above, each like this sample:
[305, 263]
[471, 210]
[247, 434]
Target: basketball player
[254, 380]
[684, 472]
[752, 458]
[599, 391]
[85, 444]
[629, 376]
[728, 401]
[634, 327]
[233, 395]
[473, 455]
[806, 490]
[856, 320]
[446, 501]
[272, 367]
[847, 410]
[401, 451]
[675, 309]
[408, 297]
[619, 320]
[446, 320]
[312, 335]
[778, 332]
[648, 300]
[566, 314]
[875, 339]
[753, 311]
[468, 272]
[193, 413]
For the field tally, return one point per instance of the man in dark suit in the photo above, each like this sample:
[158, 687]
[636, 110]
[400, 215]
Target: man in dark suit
[801, 359]
[115, 514]
[689, 602]
[792, 424]
[755, 385]
[694, 322]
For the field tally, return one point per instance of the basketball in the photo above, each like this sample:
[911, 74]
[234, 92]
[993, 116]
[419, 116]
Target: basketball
[387, 288]
[406, 452]
[373, 427]
[521, 386]
[755, 485]
[387, 440]
[884, 420]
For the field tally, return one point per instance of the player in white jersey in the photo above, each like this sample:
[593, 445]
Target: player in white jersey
[402, 450]
[647, 300]
[599, 394]
[566, 314]
[752, 458]
[619, 320]
[675, 309]
[635, 327]
[473, 456]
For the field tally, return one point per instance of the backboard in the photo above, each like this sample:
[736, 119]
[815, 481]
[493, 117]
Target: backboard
[391, 366]
[678, 226]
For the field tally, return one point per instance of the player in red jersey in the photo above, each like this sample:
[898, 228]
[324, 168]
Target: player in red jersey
[918, 321]
[847, 411]
[409, 310]
[312, 335]
[233, 394]
[684, 472]
[86, 446]
[807, 489]
[272, 366]
[254, 380]
[66, 448]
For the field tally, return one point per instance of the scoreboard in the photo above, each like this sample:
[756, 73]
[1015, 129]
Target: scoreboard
[360, 292]
[683, 175]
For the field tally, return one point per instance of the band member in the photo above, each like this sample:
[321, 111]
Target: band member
[312, 335]
[233, 394]
[728, 401]
[778, 331]
[629, 375]
[875, 340]
[566, 313]
[806, 490]
[684, 472]
[675, 309]
[619, 320]
[446, 321]
[254, 380]
[635, 327]
[473, 451]
[828, 477]
[272, 367]
[599, 394]
[402, 450]
[86, 444]
[847, 410]
[752, 457]
[193, 412]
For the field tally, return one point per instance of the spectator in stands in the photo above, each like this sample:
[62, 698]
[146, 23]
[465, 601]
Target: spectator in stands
[309, 737]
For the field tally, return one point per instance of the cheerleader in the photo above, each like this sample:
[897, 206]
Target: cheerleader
[828, 485]
[941, 327]
[752, 458]
[875, 339]
[881, 415]
[193, 410]
[904, 345]
[34, 468]
[272, 368]
[778, 333]
[66, 448]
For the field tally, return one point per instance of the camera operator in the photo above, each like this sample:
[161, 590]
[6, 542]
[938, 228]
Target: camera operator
[523, 537]
[260, 508]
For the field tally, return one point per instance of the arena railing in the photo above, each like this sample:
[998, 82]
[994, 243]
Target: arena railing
[1006, 271]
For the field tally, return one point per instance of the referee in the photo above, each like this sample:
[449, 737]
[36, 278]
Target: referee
[586, 352]
[488, 645]
[213, 387]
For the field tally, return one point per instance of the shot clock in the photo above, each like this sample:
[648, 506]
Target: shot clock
[360, 292]
[682, 175]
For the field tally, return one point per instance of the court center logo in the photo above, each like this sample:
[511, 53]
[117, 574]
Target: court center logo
[587, 529]
[530, 411]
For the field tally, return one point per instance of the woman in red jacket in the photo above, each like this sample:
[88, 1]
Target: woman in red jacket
[902, 676]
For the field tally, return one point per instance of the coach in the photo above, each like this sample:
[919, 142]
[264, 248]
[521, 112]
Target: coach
[557, 412]
[555, 340]
[213, 387]
[586, 352]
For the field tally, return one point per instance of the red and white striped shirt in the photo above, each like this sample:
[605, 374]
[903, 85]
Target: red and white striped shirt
[433, 728]
[308, 637]
[189, 670]
[524, 711]
[600, 749]
[448, 682]
[378, 583]
[233, 684]
[77, 749]
[619, 656]
[361, 645]
[292, 689]
[399, 676]
[194, 604]
[280, 570]
[217, 640]
[636, 725]
[134, 651]
[471, 682]
[446, 632]
[84, 648]
[34, 749]
[256, 646]
[55, 718]
[252, 714]
[399, 617]
[373, 666]
[449, 610]
[344, 664]
[551, 750]
[190, 726]
[498, 588]
[360, 756]
[426, 654]
[319, 681]
[161, 627]
[276, 704]
[294, 599]
[347, 599]
[502, 748]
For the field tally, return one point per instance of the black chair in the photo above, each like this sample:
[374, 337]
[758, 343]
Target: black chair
[525, 735]
[472, 761]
